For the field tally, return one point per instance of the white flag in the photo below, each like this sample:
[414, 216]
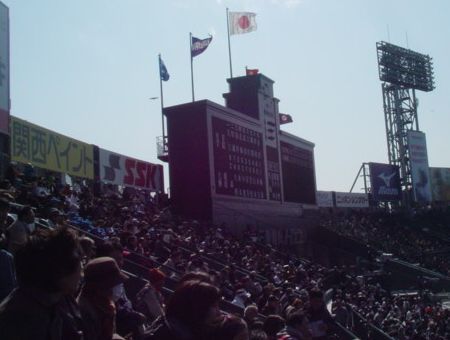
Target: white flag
[241, 22]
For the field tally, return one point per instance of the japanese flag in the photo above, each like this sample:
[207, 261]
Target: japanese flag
[241, 22]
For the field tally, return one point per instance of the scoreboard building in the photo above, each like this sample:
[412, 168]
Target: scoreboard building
[232, 164]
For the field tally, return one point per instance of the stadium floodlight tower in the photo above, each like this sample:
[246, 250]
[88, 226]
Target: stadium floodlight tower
[402, 72]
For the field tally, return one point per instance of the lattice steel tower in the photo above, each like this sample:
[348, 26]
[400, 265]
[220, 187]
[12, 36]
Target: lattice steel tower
[402, 72]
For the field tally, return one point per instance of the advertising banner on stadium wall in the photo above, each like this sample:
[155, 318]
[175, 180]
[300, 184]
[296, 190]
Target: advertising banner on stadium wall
[324, 199]
[351, 200]
[385, 182]
[418, 156]
[4, 68]
[440, 184]
[123, 170]
[47, 149]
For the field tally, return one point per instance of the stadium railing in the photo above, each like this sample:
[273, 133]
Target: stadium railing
[366, 330]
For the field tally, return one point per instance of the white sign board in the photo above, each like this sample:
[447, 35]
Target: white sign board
[420, 173]
[324, 199]
[351, 200]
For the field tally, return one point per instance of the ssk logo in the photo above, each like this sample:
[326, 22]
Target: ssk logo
[110, 171]
[121, 170]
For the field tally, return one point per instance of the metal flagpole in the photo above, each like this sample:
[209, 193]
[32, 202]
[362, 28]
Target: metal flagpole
[162, 100]
[192, 66]
[229, 46]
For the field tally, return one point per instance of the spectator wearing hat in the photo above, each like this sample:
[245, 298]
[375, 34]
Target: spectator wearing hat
[48, 271]
[128, 318]
[96, 298]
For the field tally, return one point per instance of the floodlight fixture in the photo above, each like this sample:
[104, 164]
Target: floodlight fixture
[404, 67]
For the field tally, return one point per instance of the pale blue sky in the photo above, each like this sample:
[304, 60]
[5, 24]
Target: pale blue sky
[86, 69]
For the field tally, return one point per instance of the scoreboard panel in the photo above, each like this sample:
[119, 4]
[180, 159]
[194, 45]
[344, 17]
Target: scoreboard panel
[298, 174]
[238, 160]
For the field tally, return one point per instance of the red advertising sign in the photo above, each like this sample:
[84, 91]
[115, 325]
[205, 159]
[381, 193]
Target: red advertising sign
[123, 170]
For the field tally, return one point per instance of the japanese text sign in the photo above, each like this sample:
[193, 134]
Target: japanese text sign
[49, 150]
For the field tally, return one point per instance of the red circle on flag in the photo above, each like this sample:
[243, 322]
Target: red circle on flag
[243, 22]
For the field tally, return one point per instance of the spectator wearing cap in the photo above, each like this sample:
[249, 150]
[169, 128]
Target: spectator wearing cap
[96, 298]
[48, 271]
[56, 218]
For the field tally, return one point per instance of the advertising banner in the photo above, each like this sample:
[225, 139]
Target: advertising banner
[440, 184]
[47, 149]
[238, 160]
[385, 182]
[123, 170]
[351, 200]
[4, 68]
[418, 157]
[324, 199]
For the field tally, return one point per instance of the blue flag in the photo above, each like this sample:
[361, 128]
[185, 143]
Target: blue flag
[163, 70]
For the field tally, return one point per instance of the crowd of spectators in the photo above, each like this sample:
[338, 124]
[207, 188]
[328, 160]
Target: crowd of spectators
[45, 295]
[404, 237]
